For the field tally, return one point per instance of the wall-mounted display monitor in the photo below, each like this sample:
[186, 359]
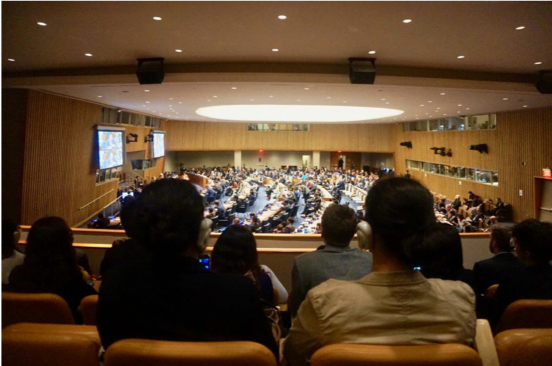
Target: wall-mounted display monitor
[110, 142]
[158, 144]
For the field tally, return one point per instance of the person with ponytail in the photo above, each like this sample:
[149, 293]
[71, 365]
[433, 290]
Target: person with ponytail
[172, 296]
[394, 304]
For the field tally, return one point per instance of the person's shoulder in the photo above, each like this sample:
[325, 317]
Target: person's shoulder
[333, 289]
[453, 290]
[485, 262]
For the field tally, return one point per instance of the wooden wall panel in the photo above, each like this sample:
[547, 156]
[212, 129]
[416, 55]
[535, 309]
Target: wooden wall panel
[59, 172]
[218, 136]
[519, 148]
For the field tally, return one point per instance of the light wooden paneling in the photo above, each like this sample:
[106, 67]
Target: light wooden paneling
[519, 148]
[217, 136]
[59, 170]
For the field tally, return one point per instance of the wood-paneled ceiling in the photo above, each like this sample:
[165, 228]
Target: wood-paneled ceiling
[229, 45]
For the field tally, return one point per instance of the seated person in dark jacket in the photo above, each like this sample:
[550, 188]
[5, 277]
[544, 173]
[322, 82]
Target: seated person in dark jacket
[533, 245]
[102, 222]
[173, 297]
[502, 265]
[125, 251]
[50, 265]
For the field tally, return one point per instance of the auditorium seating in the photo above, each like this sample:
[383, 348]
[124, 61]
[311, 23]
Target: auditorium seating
[524, 347]
[89, 308]
[50, 345]
[372, 355]
[490, 292]
[526, 314]
[153, 353]
[34, 308]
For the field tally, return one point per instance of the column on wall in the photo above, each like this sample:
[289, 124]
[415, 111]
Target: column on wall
[316, 159]
[237, 158]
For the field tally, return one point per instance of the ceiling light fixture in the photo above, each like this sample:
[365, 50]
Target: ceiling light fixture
[157, 18]
[406, 21]
[306, 88]
[178, 50]
[504, 98]
[88, 54]
[42, 24]
[11, 60]
[275, 50]
[99, 96]
[461, 56]
[442, 94]
[234, 88]
[146, 90]
[282, 17]
[525, 106]
[520, 27]
[295, 113]
[371, 52]
[538, 63]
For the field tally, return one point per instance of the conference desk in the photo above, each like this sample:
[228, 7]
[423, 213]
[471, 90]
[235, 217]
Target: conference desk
[227, 206]
[277, 251]
[326, 196]
[200, 180]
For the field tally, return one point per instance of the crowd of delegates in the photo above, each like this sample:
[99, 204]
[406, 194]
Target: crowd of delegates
[410, 288]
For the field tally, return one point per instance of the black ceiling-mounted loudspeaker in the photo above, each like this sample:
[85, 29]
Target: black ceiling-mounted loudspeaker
[544, 84]
[150, 70]
[362, 70]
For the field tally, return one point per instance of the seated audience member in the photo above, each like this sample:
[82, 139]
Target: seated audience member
[290, 228]
[394, 304]
[502, 265]
[172, 296]
[443, 255]
[255, 223]
[279, 229]
[336, 260]
[11, 257]
[125, 251]
[533, 245]
[235, 252]
[221, 211]
[102, 222]
[50, 264]
[236, 221]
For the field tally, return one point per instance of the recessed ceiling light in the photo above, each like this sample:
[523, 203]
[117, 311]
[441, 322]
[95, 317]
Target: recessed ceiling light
[443, 94]
[214, 96]
[147, 102]
[11, 60]
[306, 88]
[457, 111]
[328, 97]
[382, 98]
[42, 24]
[296, 113]
[157, 18]
[504, 98]
[386, 102]
[525, 106]
[88, 54]
[178, 51]
[421, 105]
[179, 102]
[407, 21]
[298, 100]
[282, 17]
[467, 109]
[170, 105]
[371, 52]
[146, 90]
[538, 62]
[143, 105]
[208, 100]
[270, 96]
[275, 50]
[461, 56]
[430, 101]
[99, 96]
[444, 114]
[234, 88]
[438, 107]
[344, 101]
[171, 98]
[520, 27]
[459, 105]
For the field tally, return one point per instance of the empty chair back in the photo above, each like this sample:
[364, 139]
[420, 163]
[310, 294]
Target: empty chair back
[524, 347]
[34, 308]
[526, 314]
[89, 309]
[153, 353]
[48, 349]
[372, 355]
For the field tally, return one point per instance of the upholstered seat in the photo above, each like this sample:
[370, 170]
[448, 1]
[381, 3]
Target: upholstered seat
[526, 314]
[153, 353]
[372, 355]
[34, 308]
[524, 347]
[88, 309]
[50, 345]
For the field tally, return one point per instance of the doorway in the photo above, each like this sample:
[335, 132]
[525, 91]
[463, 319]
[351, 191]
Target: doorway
[306, 159]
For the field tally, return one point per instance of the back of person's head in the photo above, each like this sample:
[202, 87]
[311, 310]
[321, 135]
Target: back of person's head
[400, 212]
[290, 220]
[101, 215]
[338, 225]
[534, 237]
[49, 250]
[443, 248]
[501, 234]
[128, 219]
[168, 217]
[9, 233]
[235, 251]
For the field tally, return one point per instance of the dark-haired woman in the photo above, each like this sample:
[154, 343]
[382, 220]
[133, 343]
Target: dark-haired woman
[50, 264]
[394, 304]
[11, 257]
[236, 252]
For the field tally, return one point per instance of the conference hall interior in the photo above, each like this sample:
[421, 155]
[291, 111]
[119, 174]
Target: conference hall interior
[264, 183]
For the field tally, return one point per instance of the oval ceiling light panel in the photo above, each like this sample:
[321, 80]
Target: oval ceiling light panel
[295, 113]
